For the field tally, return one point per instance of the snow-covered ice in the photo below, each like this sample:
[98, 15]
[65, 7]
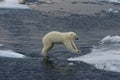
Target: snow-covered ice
[111, 39]
[10, 54]
[12, 4]
[112, 1]
[104, 56]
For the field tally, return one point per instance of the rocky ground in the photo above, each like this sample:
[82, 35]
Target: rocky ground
[88, 7]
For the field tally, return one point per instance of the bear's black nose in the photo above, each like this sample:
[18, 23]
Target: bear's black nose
[76, 38]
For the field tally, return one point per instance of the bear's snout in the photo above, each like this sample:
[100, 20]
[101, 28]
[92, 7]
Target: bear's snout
[76, 38]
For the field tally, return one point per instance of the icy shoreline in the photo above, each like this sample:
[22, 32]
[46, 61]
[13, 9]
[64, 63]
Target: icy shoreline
[104, 56]
[12, 4]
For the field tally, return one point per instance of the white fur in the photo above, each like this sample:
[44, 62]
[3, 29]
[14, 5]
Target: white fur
[55, 37]
[21, 1]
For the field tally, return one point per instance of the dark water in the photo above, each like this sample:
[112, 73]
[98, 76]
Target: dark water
[22, 31]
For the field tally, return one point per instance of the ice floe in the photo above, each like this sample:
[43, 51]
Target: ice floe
[104, 56]
[12, 4]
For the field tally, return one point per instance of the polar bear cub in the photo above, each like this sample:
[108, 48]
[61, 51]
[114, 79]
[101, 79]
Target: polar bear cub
[55, 37]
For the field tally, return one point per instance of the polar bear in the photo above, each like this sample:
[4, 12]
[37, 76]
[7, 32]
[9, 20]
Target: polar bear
[21, 1]
[55, 37]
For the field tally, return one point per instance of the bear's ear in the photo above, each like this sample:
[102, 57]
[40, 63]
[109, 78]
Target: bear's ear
[71, 34]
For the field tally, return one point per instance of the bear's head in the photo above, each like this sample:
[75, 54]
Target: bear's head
[73, 35]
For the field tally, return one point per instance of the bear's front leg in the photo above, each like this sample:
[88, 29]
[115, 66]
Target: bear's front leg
[75, 48]
[77, 51]
[70, 47]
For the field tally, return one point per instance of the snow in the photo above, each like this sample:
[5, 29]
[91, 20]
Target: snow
[1, 45]
[111, 39]
[10, 54]
[112, 1]
[104, 56]
[12, 4]
[116, 1]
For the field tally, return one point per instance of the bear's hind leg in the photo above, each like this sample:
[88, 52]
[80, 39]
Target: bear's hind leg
[46, 48]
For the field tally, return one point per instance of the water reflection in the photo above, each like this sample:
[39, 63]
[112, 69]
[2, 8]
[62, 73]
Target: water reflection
[47, 62]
